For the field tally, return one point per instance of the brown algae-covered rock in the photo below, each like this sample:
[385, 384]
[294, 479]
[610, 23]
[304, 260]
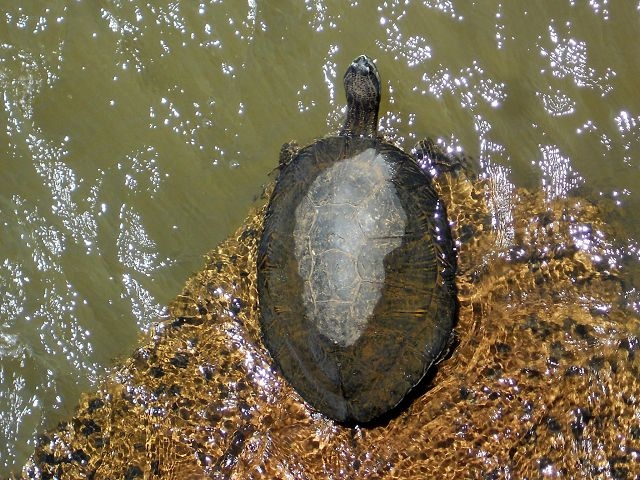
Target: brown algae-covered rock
[543, 382]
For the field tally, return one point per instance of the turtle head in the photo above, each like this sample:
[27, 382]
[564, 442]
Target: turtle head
[362, 87]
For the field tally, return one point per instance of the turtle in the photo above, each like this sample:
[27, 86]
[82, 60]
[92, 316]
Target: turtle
[355, 265]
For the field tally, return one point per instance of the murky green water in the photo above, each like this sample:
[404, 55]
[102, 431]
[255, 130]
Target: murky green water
[136, 134]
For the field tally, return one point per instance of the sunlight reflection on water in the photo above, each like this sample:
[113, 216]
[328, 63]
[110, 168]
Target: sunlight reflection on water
[137, 134]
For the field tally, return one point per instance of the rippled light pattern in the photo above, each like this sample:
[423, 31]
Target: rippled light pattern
[445, 6]
[393, 125]
[144, 173]
[598, 7]
[12, 281]
[189, 120]
[558, 176]
[469, 85]
[320, 20]
[61, 180]
[556, 103]
[413, 49]
[500, 200]
[499, 28]
[136, 250]
[569, 59]
[329, 67]
[143, 305]
[629, 128]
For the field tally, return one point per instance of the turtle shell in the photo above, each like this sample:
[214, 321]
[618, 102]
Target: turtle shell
[355, 276]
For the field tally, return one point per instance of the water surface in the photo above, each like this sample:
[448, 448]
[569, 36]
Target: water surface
[137, 134]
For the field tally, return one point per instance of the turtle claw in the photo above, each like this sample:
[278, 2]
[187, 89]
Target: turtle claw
[287, 152]
[431, 157]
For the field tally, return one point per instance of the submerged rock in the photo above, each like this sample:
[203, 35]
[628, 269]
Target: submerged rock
[544, 380]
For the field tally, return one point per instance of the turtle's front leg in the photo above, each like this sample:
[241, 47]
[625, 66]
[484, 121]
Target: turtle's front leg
[287, 152]
[430, 156]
